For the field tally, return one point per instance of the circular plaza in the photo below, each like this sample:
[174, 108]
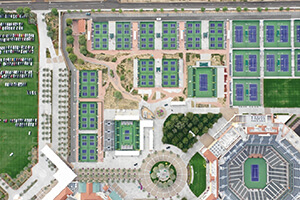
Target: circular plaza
[163, 174]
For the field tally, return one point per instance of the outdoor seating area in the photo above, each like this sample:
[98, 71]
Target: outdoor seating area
[16, 62]
[17, 37]
[7, 74]
[18, 49]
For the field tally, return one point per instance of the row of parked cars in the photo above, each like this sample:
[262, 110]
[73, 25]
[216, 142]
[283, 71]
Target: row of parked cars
[17, 37]
[16, 61]
[31, 92]
[7, 74]
[11, 26]
[13, 16]
[19, 49]
[15, 84]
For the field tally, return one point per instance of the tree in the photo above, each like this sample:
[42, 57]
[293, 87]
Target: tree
[50, 34]
[141, 10]
[287, 9]
[195, 130]
[245, 9]
[68, 31]
[202, 9]
[182, 9]
[20, 10]
[92, 10]
[239, 9]
[69, 49]
[82, 40]
[72, 57]
[217, 9]
[175, 10]
[185, 140]
[118, 95]
[69, 22]
[54, 11]
[2, 12]
[281, 8]
[259, 9]
[154, 9]
[98, 10]
[225, 9]
[27, 10]
[161, 10]
[113, 10]
[120, 10]
[266, 8]
[70, 39]
[170, 135]
[80, 61]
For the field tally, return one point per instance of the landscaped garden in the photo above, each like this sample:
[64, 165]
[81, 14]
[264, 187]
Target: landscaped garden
[163, 174]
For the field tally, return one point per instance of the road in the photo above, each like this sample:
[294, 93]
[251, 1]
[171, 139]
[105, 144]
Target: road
[115, 4]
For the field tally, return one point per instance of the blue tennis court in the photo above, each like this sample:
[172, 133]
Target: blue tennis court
[284, 63]
[239, 92]
[298, 62]
[254, 173]
[239, 34]
[239, 67]
[203, 82]
[253, 92]
[270, 63]
[270, 34]
[252, 34]
[298, 33]
[252, 63]
[284, 31]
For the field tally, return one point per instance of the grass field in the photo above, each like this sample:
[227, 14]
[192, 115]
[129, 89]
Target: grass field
[199, 167]
[281, 92]
[262, 173]
[15, 103]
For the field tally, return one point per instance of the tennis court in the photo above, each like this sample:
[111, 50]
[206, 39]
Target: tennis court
[277, 63]
[202, 82]
[147, 39]
[245, 34]
[193, 35]
[277, 33]
[146, 73]
[255, 173]
[88, 115]
[170, 73]
[87, 148]
[169, 35]
[88, 84]
[246, 92]
[246, 63]
[127, 135]
[297, 33]
[297, 62]
[100, 34]
[123, 35]
[216, 35]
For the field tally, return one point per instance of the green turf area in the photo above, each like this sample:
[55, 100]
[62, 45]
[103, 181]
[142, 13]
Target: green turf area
[246, 42]
[216, 35]
[169, 35]
[146, 74]
[194, 81]
[249, 69]
[262, 171]
[276, 24]
[147, 39]
[100, 35]
[297, 62]
[246, 92]
[198, 184]
[88, 115]
[88, 87]
[170, 73]
[15, 103]
[193, 35]
[123, 35]
[297, 36]
[278, 70]
[127, 135]
[281, 92]
[87, 148]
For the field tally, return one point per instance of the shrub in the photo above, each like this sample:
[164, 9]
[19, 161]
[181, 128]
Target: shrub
[70, 39]
[122, 77]
[118, 95]
[245, 9]
[154, 9]
[27, 10]
[54, 11]
[2, 12]
[83, 50]
[68, 31]
[98, 10]
[217, 9]
[182, 9]
[239, 9]
[175, 10]
[202, 9]
[20, 10]
[120, 11]
[50, 34]
[113, 10]
[145, 97]
[141, 10]
[69, 49]
[287, 9]
[92, 10]
[82, 40]
[281, 8]
[80, 61]
[225, 9]
[259, 9]
[114, 59]
[69, 22]
[266, 9]
[161, 10]
[72, 57]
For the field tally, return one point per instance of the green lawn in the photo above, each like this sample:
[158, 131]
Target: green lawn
[15, 103]
[199, 167]
[282, 92]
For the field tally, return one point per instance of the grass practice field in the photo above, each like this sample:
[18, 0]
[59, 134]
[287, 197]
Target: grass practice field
[277, 33]
[246, 63]
[246, 92]
[260, 173]
[245, 34]
[127, 135]
[198, 164]
[87, 147]
[277, 63]
[15, 103]
[281, 93]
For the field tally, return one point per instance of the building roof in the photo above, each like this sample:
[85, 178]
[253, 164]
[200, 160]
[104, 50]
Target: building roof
[89, 194]
[81, 25]
[114, 196]
[64, 194]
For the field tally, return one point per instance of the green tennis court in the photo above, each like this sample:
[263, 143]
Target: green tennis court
[246, 92]
[277, 33]
[88, 115]
[297, 62]
[146, 74]
[297, 33]
[246, 63]
[100, 35]
[170, 73]
[205, 86]
[88, 80]
[147, 39]
[127, 135]
[245, 34]
[216, 35]
[87, 148]
[278, 63]
[169, 35]
[123, 35]
[255, 173]
[193, 35]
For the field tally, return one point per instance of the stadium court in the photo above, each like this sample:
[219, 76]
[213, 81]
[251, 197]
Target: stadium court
[277, 63]
[87, 148]
[146, 73]
[216, 35]
[246, 63]
[246, 92]
[255, 173]
[123, 36]
[88, 84]
[169, 36]
[193, 35]
[127, 135]
[202, 82]
[170, 70]
[88, 115]
[100, 34]
[245, 34]
[147, 39]
[277, 33]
